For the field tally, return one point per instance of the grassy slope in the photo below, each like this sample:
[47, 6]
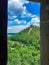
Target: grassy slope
[24, 48]
[23, 36]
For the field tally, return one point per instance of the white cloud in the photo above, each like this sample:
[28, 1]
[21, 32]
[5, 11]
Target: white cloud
[16, 6]
[24, 10]
[27, 14]
[14, 16]
[33, 15]
[20, 21]
[35, 19]
[16, 29]
[27, 2]
[11, 17]
[36, 24]
[17, 21]
[24, 7]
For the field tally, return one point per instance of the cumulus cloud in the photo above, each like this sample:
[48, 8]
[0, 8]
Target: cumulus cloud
[20, 21]
[11, 17]
[24, 10]
[14, 16]
[17, 21]
[27, 14]
[35, 19]
[16, 29]
[16, 6]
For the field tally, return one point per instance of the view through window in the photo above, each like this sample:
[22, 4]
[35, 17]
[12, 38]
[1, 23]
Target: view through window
[23, 32]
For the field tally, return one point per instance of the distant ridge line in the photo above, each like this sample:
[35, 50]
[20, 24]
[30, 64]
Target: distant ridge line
[10, 33]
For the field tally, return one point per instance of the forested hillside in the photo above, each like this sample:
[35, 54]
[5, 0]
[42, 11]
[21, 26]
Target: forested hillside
[24, 47]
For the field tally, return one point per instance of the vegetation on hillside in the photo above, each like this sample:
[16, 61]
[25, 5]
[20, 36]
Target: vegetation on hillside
[24, 48]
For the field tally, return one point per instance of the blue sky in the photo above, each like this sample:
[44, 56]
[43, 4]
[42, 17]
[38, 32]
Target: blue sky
[21, 14]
